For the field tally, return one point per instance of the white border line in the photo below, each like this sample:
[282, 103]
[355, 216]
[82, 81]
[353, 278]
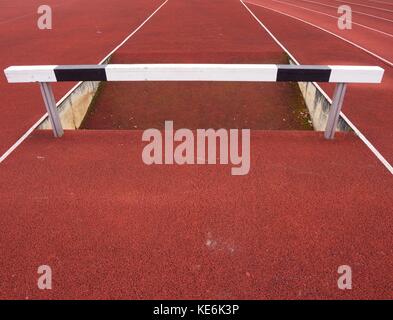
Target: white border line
[390, 63]
[35, 125]
[358, 12]
[364, 5]
[388, 3]
[334, 17]
[135, 31]
[354, 128]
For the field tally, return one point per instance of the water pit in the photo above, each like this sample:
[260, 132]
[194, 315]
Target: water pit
[143, 105]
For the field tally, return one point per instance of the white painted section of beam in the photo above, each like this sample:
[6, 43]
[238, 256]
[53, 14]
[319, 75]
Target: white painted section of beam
[356, 74]
[20, 74]
[192, 72]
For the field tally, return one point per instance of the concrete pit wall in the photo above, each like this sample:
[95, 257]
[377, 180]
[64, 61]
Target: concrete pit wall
[318, 106]
[73, 108]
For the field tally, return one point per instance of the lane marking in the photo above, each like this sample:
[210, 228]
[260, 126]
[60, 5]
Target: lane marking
[335, 17]
[358, 12]
[22, 138]
[386, 61]
[390, 4]
[363, 138]
[368, 144]
[135, 31]
[17, 18]
[35, 125]
[364, 5]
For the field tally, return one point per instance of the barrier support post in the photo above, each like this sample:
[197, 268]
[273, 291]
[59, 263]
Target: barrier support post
[337, 103]
[50, 105]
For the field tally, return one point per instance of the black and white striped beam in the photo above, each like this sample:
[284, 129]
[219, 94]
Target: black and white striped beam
[195, 72]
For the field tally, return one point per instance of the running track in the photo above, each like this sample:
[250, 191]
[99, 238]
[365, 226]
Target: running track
[112, 227]
[369, 108]
[81, 34]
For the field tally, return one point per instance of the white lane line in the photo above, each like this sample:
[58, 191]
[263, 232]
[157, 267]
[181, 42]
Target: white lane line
[358, 12]
[135, 31]
[35, 125]
[374, 150]
[383, 2]
[335, 17]
[22, 138]
[368, 144]
[386, 61]
[364, 5]
[17, 18]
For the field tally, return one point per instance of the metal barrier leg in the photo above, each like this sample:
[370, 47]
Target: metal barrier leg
[337, 102]
[50, 105]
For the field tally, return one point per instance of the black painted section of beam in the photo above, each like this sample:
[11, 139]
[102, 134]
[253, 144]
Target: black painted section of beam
[303, 73]
[81, 73]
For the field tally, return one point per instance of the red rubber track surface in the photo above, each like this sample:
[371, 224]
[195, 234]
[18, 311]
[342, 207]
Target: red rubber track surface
[112, 227]
[82, 33]
[369, 107]
[320, 9]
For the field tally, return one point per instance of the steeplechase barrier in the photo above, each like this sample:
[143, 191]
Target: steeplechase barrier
[342, 75]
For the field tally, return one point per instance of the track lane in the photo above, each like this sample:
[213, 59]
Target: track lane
[322, 48]
[380, 44]
[366, 22]
[368, 5]
[379, 13]
[335, 7]
[90, 36]
[377, 10]
[385, 3]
